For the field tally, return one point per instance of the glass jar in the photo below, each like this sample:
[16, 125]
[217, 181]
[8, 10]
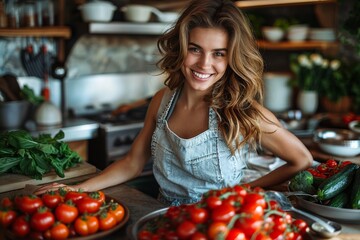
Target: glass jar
[13, 12]
[45, 12]
[28, 14]
[3, 18]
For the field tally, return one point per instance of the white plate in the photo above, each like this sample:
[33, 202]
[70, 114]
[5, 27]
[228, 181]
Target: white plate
[355, 126]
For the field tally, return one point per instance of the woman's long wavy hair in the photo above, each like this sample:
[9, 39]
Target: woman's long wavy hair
[233, 96]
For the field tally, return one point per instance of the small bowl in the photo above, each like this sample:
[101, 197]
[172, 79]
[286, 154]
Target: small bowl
[97, 11]
[13, 114]
[339, 142]
[318, 230]
[355, 126]
[297, 33]
[273, 34]
[137, 13]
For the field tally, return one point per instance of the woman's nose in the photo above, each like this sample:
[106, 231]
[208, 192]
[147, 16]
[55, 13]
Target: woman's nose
[205, 61]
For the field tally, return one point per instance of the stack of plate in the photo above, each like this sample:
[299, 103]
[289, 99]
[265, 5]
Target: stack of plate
[322, 34]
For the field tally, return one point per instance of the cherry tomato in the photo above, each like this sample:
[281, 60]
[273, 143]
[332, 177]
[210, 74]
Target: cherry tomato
[144, 235]
[186, 229]
[344, 163]
[86, 225]
[223, 213]
[198, 236]
[322, 168]
[213, 201]
[331, 163]
[217, 230]
[199, 215]
[240, 190]
[106, 221]
[35, 235]
[66, 212]
[249, 225]
[6, 202]
[255, 198]
[51, 199]
[118, 211]
[7, 217]
[59, 231]
[42, 219]
[75, 196]
[88, 205]
[301, 226]
[235, 234]
[21, 226]
[28, 203]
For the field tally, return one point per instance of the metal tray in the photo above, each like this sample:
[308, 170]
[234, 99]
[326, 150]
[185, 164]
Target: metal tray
[339, 214]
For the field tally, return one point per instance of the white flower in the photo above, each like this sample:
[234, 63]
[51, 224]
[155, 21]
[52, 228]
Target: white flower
[325, 64]
[304, 61]
[335, 64]
[316, 59]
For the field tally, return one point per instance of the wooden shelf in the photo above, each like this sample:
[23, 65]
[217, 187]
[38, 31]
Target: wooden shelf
[304, 45]
[276, 3]
[56, 31]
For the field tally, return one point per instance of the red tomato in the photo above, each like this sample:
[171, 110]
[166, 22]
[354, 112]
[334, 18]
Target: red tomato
[223, 213]
[7, 217]
[199, 215]
[66, 212]
[255, 198]
[173, 213]
[21, 226]
[88, 205]
[106, 221]
[253, 210]
[322, 168]
[51, 199]
[186, 229]
[118, 211]
[217, 229]
[213, 201]
[86, 225]
[35, 235]
[98, 195]
[198, 236]
[301, 226]
[249, 225]
[235, 234]
[42, 219]
[59, 231]
[144, 235]
[6, 202]
[75, 196]
[28, 203]
[331, 163]
[344, 163]
[240, 190]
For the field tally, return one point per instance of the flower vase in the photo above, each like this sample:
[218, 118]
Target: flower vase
[307, 101]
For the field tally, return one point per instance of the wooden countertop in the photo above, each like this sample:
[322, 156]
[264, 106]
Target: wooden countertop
[140, 204]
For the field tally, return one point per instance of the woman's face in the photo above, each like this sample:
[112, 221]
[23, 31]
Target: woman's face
[207, 57]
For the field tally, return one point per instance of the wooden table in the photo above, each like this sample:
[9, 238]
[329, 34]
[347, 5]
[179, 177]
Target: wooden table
[140, 204]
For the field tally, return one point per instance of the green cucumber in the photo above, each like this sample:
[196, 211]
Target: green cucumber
[337, 183]
[340, 200]
[355, 191]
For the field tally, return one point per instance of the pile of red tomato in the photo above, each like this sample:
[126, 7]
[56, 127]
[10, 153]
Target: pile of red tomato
[59, 214]
[235, 213]
[327, 169]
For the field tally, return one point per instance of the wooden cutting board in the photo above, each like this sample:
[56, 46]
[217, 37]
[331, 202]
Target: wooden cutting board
[9, 182]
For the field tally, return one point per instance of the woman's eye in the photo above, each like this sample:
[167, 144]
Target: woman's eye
[219, 54]
[194, 49]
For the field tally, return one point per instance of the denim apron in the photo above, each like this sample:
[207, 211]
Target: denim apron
[187, 168]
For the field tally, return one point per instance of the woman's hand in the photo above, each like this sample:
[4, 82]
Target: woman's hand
[54, 187]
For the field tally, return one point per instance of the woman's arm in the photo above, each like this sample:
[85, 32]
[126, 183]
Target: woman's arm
[129, 166]
[284, 145]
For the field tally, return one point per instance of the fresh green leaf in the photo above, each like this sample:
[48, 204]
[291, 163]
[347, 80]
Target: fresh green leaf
[7, 163]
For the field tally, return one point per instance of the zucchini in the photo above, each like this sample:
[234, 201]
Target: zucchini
[340, 200]
[355, 191]
[337, 183]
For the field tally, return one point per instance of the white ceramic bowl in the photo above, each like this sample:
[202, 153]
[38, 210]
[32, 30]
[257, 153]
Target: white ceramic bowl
[137, 12]
[273, 34]
[97, 11]
[355, 126]
[338, 142]
[297, 33]
[13, 114]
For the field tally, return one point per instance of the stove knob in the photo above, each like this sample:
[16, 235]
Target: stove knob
[118, 142]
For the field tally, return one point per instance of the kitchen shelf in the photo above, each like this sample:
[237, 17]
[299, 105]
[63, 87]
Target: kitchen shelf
[304, 45]
[277, 3]
[150, 28]
[58, 31]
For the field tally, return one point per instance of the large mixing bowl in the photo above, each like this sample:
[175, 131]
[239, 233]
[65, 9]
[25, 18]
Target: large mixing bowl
[13, 114]
[338, 142]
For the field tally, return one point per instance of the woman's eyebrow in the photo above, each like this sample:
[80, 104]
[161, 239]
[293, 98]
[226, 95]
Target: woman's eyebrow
[216, 49]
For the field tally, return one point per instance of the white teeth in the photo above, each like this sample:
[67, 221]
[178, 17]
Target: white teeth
[199, 75]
